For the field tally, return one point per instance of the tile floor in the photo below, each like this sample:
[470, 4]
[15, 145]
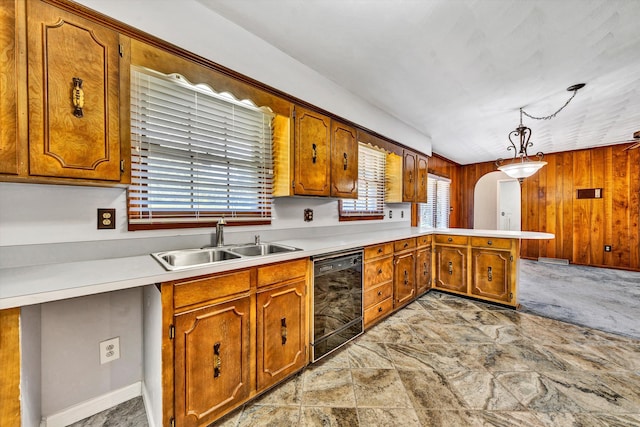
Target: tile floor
[450, 361]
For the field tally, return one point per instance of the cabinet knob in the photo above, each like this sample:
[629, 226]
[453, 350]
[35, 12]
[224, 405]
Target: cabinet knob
[379, 309]
[449, 239]
[406, 244]
[489, 242]
[380, 271]
[379, 293]
[379, 250]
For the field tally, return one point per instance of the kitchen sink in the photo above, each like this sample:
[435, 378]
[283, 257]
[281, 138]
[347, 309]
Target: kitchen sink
[262, 249]
[189, 258]
[186, 258]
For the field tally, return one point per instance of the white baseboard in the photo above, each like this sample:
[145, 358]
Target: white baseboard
[148, 407]
[91, 407]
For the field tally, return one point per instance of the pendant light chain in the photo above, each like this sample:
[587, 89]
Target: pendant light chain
[551, 116]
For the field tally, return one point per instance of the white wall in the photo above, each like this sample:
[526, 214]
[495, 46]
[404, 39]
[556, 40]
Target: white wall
[485, 201]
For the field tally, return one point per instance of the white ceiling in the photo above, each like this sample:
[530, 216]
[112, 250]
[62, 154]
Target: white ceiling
[459, 70]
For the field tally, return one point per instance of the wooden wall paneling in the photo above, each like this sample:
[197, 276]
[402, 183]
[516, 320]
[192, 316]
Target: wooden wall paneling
[609, 196]
[566, 227]
[634, 207]
[597, 214]
[549, 247]
[10, 362]
[8, 89]
[581, 207]
[618, 230]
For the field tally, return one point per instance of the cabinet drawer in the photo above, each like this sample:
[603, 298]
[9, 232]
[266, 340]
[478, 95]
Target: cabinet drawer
[451, 240]
[377, 251]
[424, 241]
[376, 272]
[210, 288]
[405, 244]
[280, 272]
[490, 242]
[378, 294]
[374, 313]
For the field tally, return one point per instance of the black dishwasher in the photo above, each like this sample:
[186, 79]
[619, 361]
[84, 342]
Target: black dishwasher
[337, 301]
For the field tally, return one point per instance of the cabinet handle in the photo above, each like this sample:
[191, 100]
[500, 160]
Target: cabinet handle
[217, 361]
[315, 154]
[379, 250]
[410, 176]
[425, 271]
[77, 97]
[489, 242]
[379, 293]
[380, 271]
[406, 244]
[450, 268]
[379, 309]
[489, 274]
[283, 330]
[406, 277]
[344, 165]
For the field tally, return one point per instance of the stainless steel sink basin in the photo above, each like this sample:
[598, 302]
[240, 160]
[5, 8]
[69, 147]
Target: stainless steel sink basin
[189, 258]
[186, 258]
[262, 249]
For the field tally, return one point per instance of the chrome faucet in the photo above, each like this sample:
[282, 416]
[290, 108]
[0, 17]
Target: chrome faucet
[256, 239]
[220, 232]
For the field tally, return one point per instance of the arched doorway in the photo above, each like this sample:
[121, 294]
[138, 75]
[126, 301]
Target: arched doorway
[496, 202]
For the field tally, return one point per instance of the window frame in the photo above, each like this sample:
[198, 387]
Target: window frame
[432, 187]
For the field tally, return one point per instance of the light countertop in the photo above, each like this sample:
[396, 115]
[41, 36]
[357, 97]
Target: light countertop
[20, 286]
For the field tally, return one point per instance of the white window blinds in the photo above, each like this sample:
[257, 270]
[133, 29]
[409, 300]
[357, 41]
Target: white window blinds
[196, 155]
[435, 213]
[370, 202]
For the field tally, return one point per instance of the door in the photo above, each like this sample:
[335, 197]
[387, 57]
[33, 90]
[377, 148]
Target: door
[451, 272]
[409, 177]
[404, 283]
[491, 271]
[73, 67]
[212, 364]
[281, 332]
[344, 161]
[312, 155]
[423, 270]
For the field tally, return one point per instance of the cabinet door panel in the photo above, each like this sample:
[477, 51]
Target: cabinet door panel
[312, 154]
[423, 270]
[404, 280]
[421, 183]
[8, 88]
[409, 177]
[451, 268]
[70, 58]
[344, 161]
[376, 272]
[281, 332]
[211, 361]
[491, 274]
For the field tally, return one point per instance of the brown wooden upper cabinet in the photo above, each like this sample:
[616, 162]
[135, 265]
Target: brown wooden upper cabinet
[414, 177]
[73, 69]
[8, 100]
[324, 158]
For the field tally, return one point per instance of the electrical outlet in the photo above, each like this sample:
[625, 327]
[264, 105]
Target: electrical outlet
[607, 248]
[109, 350]
[390, 214]
[106, 219]
[308, 215]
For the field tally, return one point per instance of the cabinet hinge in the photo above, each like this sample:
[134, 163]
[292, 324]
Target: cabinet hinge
[510, 296]
[122, 166]
[120, 50]
[172, 422]
[511, 258]
[293, 184]
[172, 332]
[294, 113]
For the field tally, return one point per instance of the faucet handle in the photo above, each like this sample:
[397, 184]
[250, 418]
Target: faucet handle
[256, 239]
[221, 221]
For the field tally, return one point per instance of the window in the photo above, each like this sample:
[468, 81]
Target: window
[435, 213]
[370, 202]
[196, 155]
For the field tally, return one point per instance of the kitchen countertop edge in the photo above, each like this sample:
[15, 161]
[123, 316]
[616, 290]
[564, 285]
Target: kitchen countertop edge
[22, 286]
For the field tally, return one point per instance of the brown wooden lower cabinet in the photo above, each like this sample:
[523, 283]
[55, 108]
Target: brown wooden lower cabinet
[491, 272]
[212, 365]
[423, 270]
[231, 336]
[404, 281]
[281, 332]
[378, 283]
[451, 268]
